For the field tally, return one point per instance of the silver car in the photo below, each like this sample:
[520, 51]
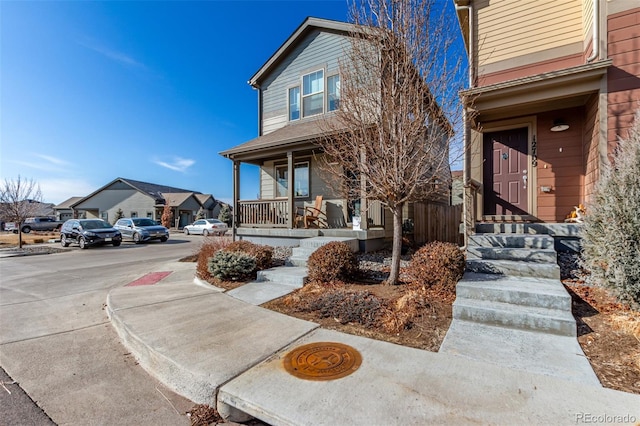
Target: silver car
[206, 227]
[139, 229]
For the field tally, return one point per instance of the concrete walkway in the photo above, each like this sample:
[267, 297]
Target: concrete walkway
[214, 348]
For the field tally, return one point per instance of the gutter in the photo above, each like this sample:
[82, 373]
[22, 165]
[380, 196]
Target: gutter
[466, 131]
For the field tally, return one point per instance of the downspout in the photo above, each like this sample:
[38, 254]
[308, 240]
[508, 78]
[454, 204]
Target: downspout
[466, 130]
[596, 31]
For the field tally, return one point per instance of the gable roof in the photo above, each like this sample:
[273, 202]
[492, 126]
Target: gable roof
[308, 25]
[176, 199]
[68, 203]
[150, 189]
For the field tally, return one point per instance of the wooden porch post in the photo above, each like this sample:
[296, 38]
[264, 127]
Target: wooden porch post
[236, 197]
[364, 223]
[290, 191]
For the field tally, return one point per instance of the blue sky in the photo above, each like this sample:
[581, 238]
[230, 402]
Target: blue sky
[151, 91]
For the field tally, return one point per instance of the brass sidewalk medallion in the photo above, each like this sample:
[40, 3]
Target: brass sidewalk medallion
[322, 361]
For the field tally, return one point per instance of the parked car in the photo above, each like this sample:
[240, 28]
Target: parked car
[89, 232]
[206, 227]
[41, 223]
[141, 229]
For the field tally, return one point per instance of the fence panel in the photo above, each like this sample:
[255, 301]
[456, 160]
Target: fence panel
[437, 222]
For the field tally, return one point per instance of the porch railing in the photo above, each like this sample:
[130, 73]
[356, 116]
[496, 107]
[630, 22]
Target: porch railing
[274, 214]
[263, 213]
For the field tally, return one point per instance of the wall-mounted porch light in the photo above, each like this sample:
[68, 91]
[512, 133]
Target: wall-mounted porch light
[559, 125]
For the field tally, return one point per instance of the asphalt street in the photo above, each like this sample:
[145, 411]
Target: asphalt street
[57, 343]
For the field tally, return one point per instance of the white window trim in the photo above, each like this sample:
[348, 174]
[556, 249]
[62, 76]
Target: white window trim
[324, 92]
[299, 103]
[285, 166]
[337, 74]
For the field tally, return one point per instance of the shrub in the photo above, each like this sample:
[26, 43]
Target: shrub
[359, 307]
[332, 261]
[226, 265]
[611, 231]
[262, 254]
[438, 263]
[402, 312]
[207, 251]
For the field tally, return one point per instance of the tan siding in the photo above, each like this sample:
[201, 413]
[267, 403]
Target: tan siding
[508, 29]
[267, 180]
[587, 20]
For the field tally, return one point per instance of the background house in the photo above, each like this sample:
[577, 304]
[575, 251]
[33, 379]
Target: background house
[63, 211]
[142, 199]
[553, 84]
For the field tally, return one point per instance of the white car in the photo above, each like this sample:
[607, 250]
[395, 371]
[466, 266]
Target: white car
[206, 227]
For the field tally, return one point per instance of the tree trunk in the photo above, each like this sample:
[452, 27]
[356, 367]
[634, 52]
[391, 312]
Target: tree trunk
[397, 245]
[20, 235]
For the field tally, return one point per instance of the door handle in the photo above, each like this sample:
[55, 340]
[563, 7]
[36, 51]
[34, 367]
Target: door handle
[524, 180]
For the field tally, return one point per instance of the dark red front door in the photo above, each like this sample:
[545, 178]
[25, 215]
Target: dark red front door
[505, 172]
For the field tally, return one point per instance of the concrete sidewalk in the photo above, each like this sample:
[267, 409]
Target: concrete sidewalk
[213, 348]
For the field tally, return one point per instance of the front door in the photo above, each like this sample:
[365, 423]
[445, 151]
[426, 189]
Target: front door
[506, 172]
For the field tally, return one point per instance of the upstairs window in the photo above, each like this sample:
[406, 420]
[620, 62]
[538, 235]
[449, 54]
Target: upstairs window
[333, 92]
[313, 93]
[294, 103]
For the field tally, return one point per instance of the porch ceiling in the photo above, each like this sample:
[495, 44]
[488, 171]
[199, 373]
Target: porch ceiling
[542, 92]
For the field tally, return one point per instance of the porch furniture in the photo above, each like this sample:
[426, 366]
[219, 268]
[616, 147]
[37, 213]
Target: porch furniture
[312, 215]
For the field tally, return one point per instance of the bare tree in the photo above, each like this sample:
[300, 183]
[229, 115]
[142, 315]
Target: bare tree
[20, 199]
[398, 107]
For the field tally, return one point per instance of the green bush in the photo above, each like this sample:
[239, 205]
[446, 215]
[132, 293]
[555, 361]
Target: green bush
[332, 261]
[438, 263]
[226, 265]
[611, 231]
[208, 249]
[261, 254]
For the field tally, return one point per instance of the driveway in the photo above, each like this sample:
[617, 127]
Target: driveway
[58, 344]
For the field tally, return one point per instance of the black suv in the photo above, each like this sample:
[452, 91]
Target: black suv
[89, 232]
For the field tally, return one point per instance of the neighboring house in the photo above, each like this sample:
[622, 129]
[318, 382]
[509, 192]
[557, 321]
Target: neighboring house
[553, 85]
[298, 87]
[139, 199]
[457, 187]
[63, 211]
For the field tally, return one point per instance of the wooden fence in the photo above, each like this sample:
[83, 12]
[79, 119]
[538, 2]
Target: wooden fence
[437, 222]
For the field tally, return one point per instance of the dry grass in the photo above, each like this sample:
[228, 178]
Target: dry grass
[8, 240]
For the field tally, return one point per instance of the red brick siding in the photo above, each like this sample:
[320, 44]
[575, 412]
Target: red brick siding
[623, 78]
[590, 146]
[560, 164]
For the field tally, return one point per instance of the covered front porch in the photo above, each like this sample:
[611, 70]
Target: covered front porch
[293, 185]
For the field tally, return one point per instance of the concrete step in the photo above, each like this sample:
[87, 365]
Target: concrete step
[292, 275]
[535, 292]
[514, 268]
[539, 353]
[553, 229]
[533, 318]
[316, 242]
[511, 240]
[516, 254]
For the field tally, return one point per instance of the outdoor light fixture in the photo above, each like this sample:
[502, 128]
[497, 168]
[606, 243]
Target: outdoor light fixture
[559, 126]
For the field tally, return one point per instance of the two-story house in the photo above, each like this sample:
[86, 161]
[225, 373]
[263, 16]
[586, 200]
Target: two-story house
[298, 90]
[553, 84]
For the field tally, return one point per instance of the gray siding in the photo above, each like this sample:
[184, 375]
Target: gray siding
[318, 50]
[110, 200]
